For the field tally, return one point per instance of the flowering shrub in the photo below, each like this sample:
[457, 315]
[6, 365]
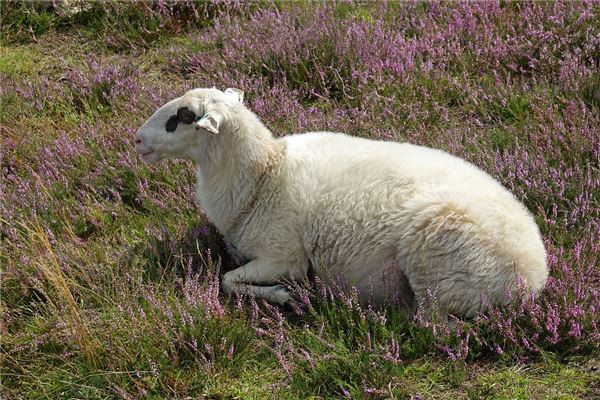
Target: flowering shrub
[109, 264]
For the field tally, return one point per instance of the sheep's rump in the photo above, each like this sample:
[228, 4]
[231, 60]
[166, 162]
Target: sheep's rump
[382, 214]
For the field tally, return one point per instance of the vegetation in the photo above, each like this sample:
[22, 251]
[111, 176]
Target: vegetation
[110, 270]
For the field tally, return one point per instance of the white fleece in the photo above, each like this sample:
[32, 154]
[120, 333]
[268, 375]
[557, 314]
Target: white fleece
[394, 218]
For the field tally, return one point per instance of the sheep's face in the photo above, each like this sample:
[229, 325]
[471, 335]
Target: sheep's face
[179, 128]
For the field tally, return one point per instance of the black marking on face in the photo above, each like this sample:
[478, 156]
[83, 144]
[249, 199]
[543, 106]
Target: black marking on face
[185, 115]
[172, 123]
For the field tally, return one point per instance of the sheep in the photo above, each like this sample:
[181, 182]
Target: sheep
[394, 219]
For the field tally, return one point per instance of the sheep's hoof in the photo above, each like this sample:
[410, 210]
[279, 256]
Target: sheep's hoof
[280, 295]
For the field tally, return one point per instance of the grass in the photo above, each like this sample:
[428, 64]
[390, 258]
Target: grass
[110, 269]
[18, 61]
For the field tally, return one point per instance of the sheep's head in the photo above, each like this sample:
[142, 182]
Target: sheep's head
[179, 128]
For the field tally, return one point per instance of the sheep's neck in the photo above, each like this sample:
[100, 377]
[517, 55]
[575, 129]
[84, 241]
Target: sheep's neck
[261, 173]
[230, 185]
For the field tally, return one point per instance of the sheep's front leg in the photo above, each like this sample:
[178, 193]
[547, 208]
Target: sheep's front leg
[260, 272]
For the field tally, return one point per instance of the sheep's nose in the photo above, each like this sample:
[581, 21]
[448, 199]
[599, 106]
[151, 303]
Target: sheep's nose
[138, 140]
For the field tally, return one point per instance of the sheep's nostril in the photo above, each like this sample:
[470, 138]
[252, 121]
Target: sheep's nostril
[138, 141]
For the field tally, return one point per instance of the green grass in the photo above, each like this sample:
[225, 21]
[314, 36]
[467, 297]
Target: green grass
[18, 61]
[116, 255]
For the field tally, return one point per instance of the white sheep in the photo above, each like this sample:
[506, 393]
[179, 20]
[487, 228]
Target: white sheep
[395, 219]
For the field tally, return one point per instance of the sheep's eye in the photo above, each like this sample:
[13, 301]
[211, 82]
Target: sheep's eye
[172, 123]
[185, 115]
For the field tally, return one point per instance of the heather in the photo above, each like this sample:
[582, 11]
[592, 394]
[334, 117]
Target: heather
[110, 270]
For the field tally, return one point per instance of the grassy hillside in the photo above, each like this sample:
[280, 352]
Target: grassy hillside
[110, 270]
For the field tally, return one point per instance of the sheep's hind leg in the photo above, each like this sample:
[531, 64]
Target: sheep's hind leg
[245, 279]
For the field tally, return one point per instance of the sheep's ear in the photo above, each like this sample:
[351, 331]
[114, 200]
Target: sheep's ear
[209, 123]
[235, 94]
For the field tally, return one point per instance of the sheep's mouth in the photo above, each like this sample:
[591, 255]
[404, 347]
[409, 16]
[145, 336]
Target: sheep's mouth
[147, 153]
